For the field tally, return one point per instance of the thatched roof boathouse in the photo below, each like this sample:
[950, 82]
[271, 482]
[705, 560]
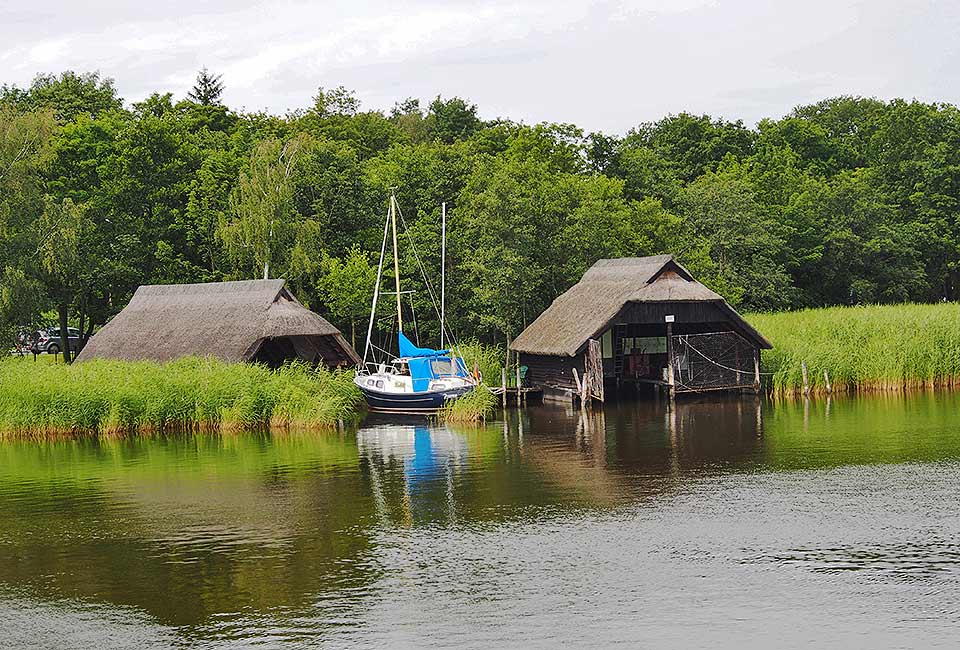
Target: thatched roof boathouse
[624, 317]
[248, 320]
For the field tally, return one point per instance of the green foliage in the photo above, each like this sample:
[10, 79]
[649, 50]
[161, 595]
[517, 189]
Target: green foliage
[692, 144]
[191, 394]
[329, 188]
[889, 347]
[26, 149]
[531, 231]
[452, 119]
[345, 288]
[842, 202]
[207, 89]
[724, 214]
[69, 95]
[262, 230]
[62, 227]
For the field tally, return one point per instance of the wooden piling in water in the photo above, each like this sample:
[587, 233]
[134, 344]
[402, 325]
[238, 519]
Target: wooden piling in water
[503, 385]
[518, 383]
[756, 371]
[671, 384]
[576, 379]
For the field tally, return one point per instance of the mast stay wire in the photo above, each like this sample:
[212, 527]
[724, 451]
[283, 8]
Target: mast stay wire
[423, 271]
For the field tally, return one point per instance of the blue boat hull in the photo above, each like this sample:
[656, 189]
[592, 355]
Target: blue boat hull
[425, 402]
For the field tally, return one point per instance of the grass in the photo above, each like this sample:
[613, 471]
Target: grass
[871, 348]
[41, 358]
[474, 407]
[191, 394]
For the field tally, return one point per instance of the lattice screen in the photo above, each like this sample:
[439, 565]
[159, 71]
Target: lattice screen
[712, 361]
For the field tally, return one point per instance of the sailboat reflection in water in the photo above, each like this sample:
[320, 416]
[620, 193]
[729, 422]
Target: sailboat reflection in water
[418, 380]
[430, 457]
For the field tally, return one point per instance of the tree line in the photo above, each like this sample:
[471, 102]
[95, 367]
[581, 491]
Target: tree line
[849, 200]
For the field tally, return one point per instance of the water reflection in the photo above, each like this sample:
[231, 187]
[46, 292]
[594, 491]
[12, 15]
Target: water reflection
[217, 540]
[429, 457]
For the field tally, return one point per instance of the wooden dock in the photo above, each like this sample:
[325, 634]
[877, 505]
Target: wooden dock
[513, 395]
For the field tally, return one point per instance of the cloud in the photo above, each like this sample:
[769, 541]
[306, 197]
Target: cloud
[602, 64]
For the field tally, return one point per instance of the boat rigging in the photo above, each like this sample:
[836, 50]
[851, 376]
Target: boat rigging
[418, 380]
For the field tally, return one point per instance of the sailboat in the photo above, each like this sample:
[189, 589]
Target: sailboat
[417, 380]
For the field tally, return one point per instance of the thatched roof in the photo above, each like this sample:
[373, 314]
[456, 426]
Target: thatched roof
[585, 310]
[228, 320]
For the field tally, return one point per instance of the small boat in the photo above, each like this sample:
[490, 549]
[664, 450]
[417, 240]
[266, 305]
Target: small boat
[418, 380]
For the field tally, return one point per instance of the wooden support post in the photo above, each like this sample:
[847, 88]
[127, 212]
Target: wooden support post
[594, 369]
[806, 384]
[737, 365]
[503, 386]
[756, 370]
[671, 385]
[576, 378]
[518, 383]
[826, 379]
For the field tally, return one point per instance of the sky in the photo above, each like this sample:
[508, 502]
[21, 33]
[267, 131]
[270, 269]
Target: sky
[604, 65]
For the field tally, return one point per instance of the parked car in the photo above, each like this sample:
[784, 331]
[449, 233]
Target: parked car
[48, 340]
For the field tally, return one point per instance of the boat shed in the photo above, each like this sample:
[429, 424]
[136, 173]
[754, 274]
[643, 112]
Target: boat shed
[248, 320]
[624, 321]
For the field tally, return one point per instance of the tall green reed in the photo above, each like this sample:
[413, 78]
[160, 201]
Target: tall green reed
[190, 394]
[474, 407]
[868, 348]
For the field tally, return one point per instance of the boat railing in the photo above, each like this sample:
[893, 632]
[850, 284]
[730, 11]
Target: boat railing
[374, 368]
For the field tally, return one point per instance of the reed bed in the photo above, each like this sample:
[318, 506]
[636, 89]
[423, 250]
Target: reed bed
[474, 407]
[868, 348]
[487, 358]
[191, 394]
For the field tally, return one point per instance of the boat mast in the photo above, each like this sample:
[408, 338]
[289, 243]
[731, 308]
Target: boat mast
[376, 289]
[396, 257]
[443, 268]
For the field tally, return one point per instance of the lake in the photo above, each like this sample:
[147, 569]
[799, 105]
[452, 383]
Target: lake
[729, 523]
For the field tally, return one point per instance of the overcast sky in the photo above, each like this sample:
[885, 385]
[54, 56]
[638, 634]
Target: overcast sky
[603, 65]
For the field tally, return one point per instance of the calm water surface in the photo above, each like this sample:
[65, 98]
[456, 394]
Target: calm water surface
[727, 524]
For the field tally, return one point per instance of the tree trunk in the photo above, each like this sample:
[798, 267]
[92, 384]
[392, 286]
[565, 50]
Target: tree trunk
[353, 333]
[64, 334]
[82, 317]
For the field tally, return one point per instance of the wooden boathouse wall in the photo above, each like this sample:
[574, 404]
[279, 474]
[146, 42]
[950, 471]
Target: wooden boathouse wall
[553, 374]
[620, 301]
